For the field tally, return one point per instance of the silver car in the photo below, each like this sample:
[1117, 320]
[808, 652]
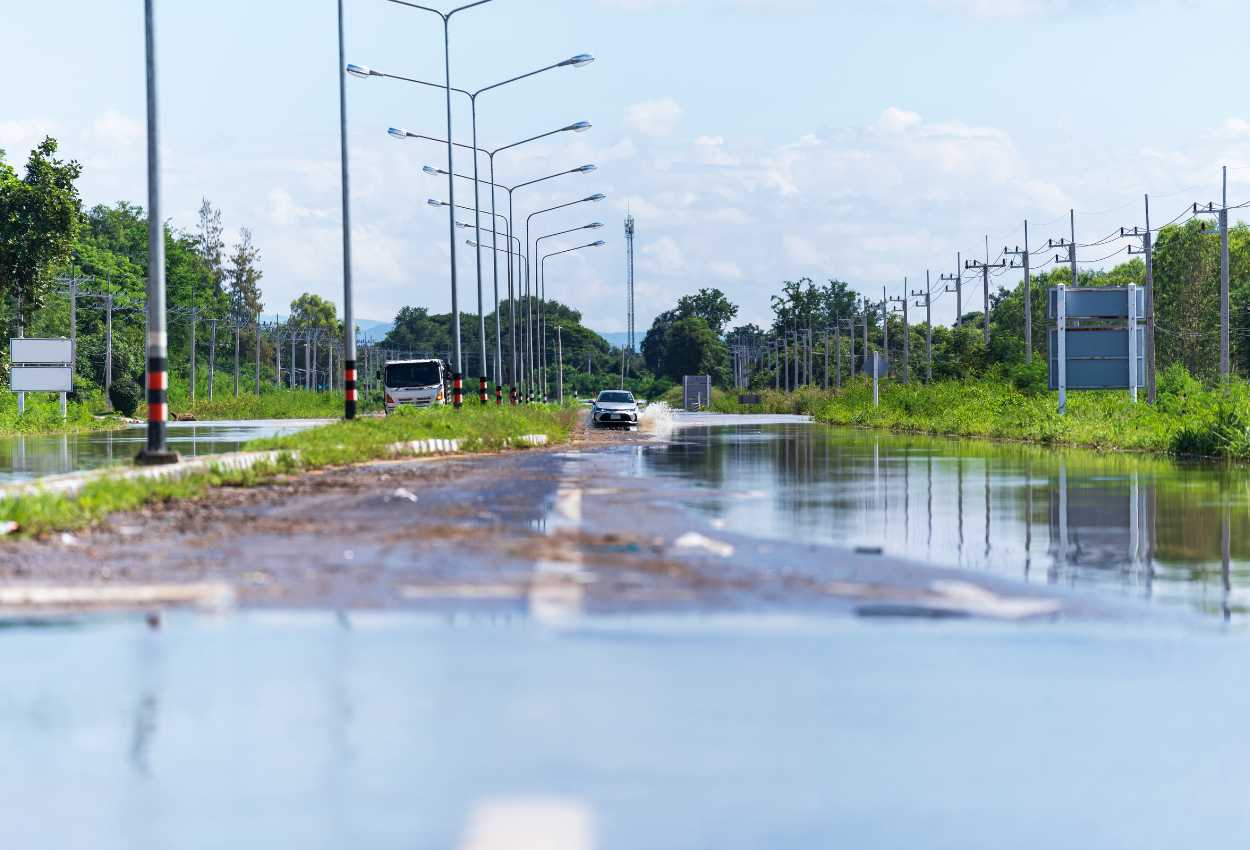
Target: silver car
[614, 407]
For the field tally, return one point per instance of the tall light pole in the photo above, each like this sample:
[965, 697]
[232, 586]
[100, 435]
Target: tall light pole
[542, 295]
[451, 165]
[511, 190]
[399, 133]
[577, 61]
[349, 326]
[541, 274]
[156, 451]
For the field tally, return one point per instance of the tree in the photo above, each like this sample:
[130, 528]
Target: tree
[244, 274]
[40, 215]
[693, 348]
[312, 312]
[711, 306]
[210, 245]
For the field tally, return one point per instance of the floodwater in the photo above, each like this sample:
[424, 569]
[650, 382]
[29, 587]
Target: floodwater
[545, 727]
[324, 730]
[1139, 526]
[25, 457]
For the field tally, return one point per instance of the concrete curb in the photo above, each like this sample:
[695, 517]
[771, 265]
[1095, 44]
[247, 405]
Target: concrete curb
[71, 483]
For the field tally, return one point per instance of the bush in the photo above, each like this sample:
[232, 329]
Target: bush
[125, 394]
[1031, 379]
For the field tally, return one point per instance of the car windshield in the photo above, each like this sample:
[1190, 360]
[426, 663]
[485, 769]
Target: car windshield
[425, 374]
[616, 397]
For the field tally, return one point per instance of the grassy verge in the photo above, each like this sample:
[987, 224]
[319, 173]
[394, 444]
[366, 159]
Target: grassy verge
[43, 415]
[338, 444]
[1188, 420]
[270, 404]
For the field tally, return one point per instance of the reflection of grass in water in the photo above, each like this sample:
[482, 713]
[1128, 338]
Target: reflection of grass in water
[479, 428]
[1188, 420]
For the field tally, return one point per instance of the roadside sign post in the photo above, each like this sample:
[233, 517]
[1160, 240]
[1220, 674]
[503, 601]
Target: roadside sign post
[41, 365]
[1097, 342]
[876, 368]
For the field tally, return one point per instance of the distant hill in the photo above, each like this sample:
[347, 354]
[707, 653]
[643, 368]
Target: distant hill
[617, 339]
[371, 329]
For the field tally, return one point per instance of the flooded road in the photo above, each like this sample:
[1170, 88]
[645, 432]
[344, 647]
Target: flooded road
[25, 457]
[664, 644]
[324, 730]
[1133, 525]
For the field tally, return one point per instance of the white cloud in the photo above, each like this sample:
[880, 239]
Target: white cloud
[727, 270]
[663, 255]
[654, 117]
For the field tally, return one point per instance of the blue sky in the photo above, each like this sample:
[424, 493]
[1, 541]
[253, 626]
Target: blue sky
[754, 141]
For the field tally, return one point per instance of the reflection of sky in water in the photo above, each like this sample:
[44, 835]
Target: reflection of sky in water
[1148, 527]
[358, 730]
[25, 457]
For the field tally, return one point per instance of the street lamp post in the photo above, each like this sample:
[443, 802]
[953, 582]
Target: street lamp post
[511, 190]
[399, 133]
[349, 328]
[542, 265]
[156, 451]
[577, 61]
[451, 166]
[542, 296]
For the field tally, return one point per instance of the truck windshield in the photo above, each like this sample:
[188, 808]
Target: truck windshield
[413, 374]
[616, 397]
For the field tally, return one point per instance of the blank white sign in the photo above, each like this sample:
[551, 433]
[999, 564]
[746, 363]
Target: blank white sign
[41, 379]
[33, 350]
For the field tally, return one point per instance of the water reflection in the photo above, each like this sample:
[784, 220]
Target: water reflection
[23, 457]
[1146, 526]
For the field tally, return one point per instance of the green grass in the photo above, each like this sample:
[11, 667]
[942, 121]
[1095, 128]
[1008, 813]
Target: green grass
[482, 429]
[338, 444]
[43, 415]
[1188, 419]
[270, 404]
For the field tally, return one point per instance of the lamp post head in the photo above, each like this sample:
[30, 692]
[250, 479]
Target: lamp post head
[429, 169]
[434, 202]
[584, 169]
[470, 243]
[398, 133]
[579, 127]
[595, 198]
[598, 244]
[361, 71]
[594, 225]
[578, 61]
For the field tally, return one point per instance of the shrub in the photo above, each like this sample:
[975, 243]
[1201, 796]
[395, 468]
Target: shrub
[125, 394]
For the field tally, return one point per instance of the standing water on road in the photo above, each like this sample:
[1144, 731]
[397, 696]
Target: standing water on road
[25, 457]
[1142, 526]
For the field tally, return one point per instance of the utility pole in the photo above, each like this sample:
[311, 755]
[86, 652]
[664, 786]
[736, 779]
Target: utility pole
[1069, 245]
[958, 279]
[1147, 251]
[837, 342]
[1221, 213]
[850, 329]
[906, 334]
[629, 281]
[257, 354]
[928, 325]
[885, 328]
[194, 319]
[559, 367]
[826, 382]
[1028, 291]
[212, 356]
[108, 343]
[984, 267]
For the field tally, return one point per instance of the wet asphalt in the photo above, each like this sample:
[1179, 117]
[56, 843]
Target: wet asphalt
[547, 533]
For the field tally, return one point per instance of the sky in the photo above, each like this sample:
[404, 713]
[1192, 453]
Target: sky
[753, 141]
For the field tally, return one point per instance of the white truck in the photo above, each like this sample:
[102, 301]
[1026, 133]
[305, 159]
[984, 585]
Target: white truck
[419, 383]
